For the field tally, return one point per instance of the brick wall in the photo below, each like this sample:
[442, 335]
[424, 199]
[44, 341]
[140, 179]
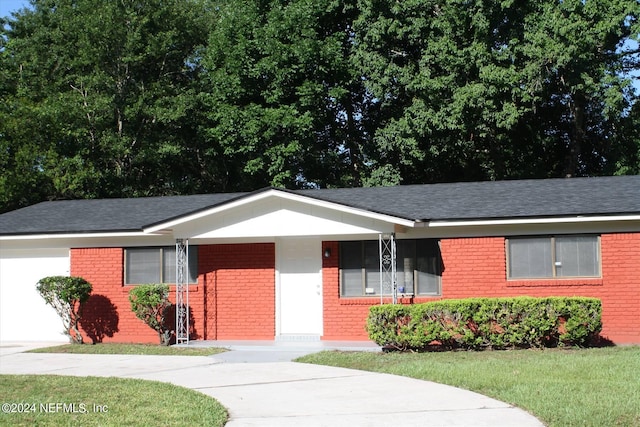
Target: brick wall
[234, 297]
[475, 267]
[620, 292]
[235, 294]
[344, 318]
[107, 317]
[240, 296]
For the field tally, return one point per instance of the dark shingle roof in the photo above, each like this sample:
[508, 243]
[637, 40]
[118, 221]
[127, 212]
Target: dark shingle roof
[453, 201]
[105, 215]
[496, 199]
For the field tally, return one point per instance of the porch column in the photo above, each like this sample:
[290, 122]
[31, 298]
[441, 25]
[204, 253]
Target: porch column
[182, 291]
[388, 284]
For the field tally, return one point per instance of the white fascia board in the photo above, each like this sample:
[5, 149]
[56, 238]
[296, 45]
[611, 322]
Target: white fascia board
[72, 236]
[282, 195]
[523, 221]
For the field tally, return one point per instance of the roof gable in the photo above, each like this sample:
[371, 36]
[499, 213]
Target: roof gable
[276, 213]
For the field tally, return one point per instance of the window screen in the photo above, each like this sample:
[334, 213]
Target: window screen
[561, 256]
[577, 256]
[429, 267]
[530, 257]
[405, 265]
[169, 265]
[351, 269]
[157, 265]
[142, 265]
[372, 266]
[418, 266]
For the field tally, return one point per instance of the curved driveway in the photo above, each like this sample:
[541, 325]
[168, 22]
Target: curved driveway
[286, 393]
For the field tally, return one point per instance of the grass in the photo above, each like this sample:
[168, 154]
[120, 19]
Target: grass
[49, 400]
[581, 387]
[142, 349]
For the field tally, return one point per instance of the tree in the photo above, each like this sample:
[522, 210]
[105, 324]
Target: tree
[490, 90]
[285, 105]
[127, 98]
[100, 95]
[628, 150]
[67, 295]
[577, 54]
[150, 303]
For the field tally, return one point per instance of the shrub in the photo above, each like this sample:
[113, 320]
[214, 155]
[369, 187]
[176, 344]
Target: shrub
[150, 303]
[477, 323]
[67, 296]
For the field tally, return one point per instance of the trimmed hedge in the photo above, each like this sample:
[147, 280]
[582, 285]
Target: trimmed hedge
[479, 323]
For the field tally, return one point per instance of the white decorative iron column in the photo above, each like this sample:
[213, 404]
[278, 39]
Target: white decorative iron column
[182, 291]
[388, 285]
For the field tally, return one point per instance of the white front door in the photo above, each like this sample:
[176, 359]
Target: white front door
[300, 290]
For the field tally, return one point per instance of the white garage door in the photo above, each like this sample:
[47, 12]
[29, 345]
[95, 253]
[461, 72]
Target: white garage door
[24, 316]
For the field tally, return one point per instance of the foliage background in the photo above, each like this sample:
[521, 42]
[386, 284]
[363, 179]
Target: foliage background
[123, 98]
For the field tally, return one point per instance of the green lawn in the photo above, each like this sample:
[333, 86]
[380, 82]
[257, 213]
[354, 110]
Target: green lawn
[47, 400]
[582, 387]
[115, 348]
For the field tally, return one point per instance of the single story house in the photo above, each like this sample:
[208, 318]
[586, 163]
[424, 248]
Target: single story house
[277, 264]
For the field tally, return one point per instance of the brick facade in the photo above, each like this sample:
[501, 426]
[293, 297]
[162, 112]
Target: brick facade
[233, 299]
[107, 316]
[344, 318]
[240, 290]
[235, 294]
[476, 267]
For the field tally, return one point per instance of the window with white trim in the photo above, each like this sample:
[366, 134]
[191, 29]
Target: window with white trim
[156, 265]
[418, 267]
[553, 256]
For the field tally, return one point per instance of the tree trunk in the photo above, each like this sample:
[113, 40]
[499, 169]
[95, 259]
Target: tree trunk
[572, 161]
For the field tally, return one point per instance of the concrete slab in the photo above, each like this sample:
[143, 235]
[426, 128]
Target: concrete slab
[10, 347]
[288, 393]
[278, 351]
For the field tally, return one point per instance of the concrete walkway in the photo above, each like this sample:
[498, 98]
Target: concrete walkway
[267, 391]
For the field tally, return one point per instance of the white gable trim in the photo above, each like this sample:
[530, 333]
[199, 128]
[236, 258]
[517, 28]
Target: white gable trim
[283, 195]
[526, 221]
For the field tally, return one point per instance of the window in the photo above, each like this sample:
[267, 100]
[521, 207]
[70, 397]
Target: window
[156, 265]
[418, 267]
[560, 256]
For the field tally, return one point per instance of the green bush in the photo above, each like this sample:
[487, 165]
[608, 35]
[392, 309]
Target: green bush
[150, 303]
[478, 323]
[67, 296]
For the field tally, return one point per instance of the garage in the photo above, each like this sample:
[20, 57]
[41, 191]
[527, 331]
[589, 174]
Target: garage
[24, 316]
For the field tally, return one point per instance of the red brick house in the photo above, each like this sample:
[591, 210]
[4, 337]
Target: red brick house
[294, 265]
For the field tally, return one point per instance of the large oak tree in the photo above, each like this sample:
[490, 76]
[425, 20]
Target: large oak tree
[97, 99]
[499, 89]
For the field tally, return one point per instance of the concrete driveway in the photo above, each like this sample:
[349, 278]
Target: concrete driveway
[284, 393]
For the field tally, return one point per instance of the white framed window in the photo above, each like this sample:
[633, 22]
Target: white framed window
[553, 257]
[156, 265]
[418, 267]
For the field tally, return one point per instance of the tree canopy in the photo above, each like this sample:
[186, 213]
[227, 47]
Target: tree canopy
[122, 98]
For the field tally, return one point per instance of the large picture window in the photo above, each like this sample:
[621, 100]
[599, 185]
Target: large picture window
[418, 267]
[548, 257]
[156, 265]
